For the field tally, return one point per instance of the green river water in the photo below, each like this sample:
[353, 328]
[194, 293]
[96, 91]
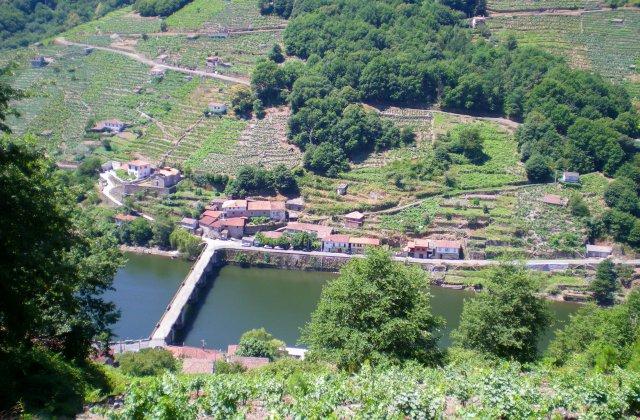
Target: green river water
[239, 299]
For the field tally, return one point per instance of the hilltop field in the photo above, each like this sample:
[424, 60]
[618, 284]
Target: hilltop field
[487, 204]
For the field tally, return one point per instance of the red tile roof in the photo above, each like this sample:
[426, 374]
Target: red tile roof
[321, 231]
[125, 217]
[444, 243]
[364, 241]
[232, 222]
[215, 214]
[336, 238]
[272, 234]
[182, 352]
[554, 199]
[193, 366]
[207, 221]
[355, 215]
[248, 362]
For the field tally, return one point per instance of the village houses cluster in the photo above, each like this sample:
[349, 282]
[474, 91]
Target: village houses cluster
[232, 218]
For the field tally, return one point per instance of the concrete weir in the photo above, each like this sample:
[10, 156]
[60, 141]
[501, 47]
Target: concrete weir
[175, 316]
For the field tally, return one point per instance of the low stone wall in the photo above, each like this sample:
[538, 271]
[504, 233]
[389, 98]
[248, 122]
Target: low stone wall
[302, 262]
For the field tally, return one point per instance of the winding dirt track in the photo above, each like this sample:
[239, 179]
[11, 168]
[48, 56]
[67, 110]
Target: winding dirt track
[149, 62]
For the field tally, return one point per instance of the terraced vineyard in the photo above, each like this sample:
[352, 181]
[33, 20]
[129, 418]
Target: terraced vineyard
[66, 94]
[256, 142]
[514, 5]
[239, 51]
[123, 21]
[221, 14]
[606, 41]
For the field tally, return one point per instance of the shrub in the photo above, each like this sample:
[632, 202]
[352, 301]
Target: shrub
[147, 362]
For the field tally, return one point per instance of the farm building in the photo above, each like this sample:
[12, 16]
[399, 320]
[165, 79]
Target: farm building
[598, 251]
[570, 177]
[295, 204]
[342, 189]
[166, 177]
[157, 72]
[111, 126]
[189, 224]
[554, 200]
[219, 34]
[39, 61]
[216, 108]
[353, 220]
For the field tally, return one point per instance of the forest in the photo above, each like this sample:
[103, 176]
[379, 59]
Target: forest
[23, 22]
[368, 52]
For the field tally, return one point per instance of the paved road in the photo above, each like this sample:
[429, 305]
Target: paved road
[231, 244]
[149, 62]
[108, 189]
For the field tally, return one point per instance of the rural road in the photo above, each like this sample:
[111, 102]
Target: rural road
[149, 62]
[109, 188]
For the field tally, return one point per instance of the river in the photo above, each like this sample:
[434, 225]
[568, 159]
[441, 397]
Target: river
[240, 299]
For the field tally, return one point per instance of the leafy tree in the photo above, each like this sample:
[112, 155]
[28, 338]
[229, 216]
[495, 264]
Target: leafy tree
[258, 109]
[139, 231]
[538, 169]
[376, 310]
[605, 285]
[259, 343]
[241, 100]
[577, 206]
[326, 159]
[505, 320]
[162, 228]
[57, 263]
[267, 81]
[621, 195]
[276, 54]
[147, 362]
[594, 332]
[158, 7]
[470, 143]
[185, 242]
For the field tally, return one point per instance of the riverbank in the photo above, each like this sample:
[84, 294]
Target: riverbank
[150, 251]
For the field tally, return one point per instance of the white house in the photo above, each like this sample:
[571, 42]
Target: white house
[336, 243]
[234, 208]
[446, 250]
[157, 72]
[216, 108]
[570, 177]
[113, 126]
[189, 224]
[598, 251]
[274, 210]
[342, 189]
[139, 168]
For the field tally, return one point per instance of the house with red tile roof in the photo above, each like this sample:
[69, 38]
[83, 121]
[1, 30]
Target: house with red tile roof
[359, 245]
[434, 248]
[336, 243]
[353, 220]
[320, 231]
[554, 200]
[274, 210]
[234, 227]
[234, 208]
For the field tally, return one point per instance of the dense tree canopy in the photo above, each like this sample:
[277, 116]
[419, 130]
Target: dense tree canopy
[505, 320]
[158, 7]
[376, 310]
[25, 22]
[369, 51]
